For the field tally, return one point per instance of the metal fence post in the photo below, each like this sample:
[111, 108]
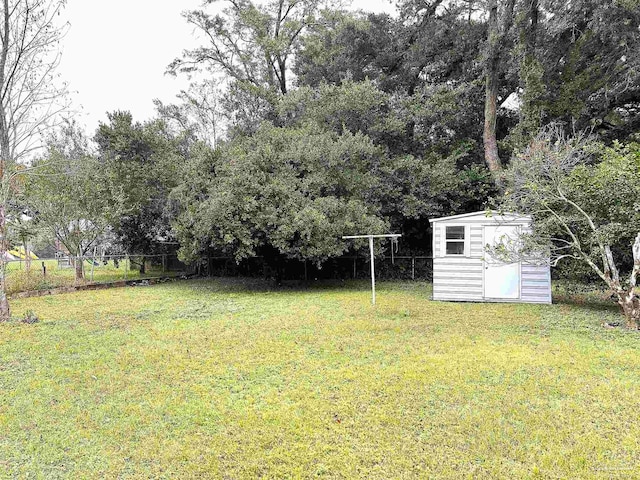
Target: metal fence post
[93, 263]
[126, 266]
[413, 268]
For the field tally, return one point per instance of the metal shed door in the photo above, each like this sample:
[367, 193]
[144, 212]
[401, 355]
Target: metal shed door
[501, 280]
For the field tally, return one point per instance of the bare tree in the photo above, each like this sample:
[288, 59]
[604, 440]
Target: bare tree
[30, 98]
[198, 112]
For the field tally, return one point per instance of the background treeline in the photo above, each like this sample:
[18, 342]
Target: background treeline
[310, 121]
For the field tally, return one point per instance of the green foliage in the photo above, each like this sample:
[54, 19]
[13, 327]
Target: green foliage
[583, 197]
[610, 191]
[412, 89]
[295, 190]
[336, 164]
[356, 107]
[140, 163]
[590, 51]
[67, 192]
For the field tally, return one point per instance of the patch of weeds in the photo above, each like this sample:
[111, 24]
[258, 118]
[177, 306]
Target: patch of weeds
[30, 317]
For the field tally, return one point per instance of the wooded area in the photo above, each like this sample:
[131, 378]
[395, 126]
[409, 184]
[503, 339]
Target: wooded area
[313, 121]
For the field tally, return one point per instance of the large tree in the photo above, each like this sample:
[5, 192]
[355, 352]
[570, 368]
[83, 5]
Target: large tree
[250, 45]
[335, 164]
[140, 163]
[500, 21]
[591, 59]
[29, 96]
[288, 192]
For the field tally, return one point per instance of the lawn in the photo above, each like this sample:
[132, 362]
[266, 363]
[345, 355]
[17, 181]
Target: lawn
[230, 379]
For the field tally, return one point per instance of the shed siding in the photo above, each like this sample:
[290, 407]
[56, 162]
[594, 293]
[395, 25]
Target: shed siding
[477, 247]
[457, 279]
[536, 283]
[461, 279]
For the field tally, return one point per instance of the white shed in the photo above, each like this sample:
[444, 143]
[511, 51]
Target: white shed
[464, 271]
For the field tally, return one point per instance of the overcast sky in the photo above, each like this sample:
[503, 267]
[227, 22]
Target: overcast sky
[115, 53]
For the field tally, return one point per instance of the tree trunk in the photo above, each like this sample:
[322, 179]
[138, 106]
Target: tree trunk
[27, 258]
[79, 269]
[630, 302]
[142, 266]
[631, 308]
[491, 156]
[495, 45]
[5, 311]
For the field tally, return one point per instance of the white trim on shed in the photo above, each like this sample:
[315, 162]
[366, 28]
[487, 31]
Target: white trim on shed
[464, 277]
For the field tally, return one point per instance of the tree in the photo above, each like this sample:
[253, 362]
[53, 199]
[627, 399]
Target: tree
[423, 175]
[68, 195]
[288, 192]
[29, 96]
[584, 202]
[591, 61]
[198, 113]
[249, 43]
[140, 164]
[498, 29]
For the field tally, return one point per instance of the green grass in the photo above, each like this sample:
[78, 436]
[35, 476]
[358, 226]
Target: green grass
[18, 280]
[229, 379]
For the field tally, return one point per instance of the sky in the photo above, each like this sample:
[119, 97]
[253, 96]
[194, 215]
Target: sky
[115, 54]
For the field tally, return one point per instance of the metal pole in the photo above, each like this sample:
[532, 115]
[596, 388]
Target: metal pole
[413, 268]
[93, 262]
[354, 267]
[373, 272]
[126, 265]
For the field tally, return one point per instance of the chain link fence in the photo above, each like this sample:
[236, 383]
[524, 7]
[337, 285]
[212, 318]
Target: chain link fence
[45, 273]
[349, 267]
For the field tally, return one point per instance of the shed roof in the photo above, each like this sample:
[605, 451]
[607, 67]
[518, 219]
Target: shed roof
[482, 213]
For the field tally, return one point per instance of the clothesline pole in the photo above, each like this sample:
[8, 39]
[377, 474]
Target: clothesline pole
[373, 273]
[393, 236]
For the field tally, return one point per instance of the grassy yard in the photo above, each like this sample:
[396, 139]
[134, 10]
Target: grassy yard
[228, 379]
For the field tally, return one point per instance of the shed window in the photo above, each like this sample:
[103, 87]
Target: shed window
[455, 241]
